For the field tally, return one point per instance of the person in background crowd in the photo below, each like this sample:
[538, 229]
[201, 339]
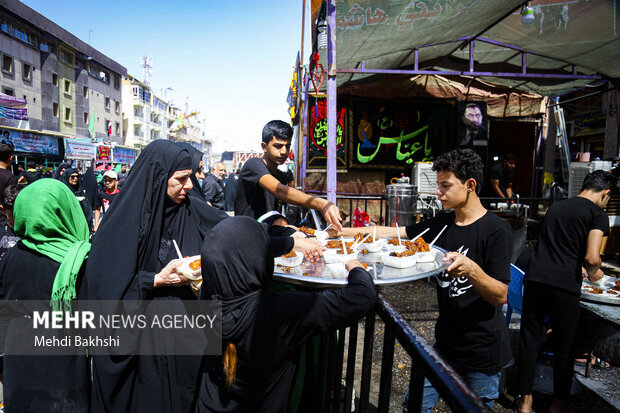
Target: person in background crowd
[213, 187]
[106, 197]
[8, 238]
[152, 210]
[501, 177]
[61, 169]
[237, 270]
[122, 175]
[230, 191]
[46, 264]
[6, 177]
[71, 178]
[570, 237]
[30, 175]
[262, 186]
[20, 169]
[198, 175]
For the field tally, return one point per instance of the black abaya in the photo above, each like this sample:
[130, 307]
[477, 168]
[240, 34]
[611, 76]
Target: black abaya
[37, 383]
[132, 244]
[267, 329]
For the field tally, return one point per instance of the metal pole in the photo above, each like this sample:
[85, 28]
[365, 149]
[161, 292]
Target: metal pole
[300, 129]
[332, 112]
[304, 135]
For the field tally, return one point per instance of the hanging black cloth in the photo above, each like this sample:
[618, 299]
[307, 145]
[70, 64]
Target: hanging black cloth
[267, 329]
[132, 244]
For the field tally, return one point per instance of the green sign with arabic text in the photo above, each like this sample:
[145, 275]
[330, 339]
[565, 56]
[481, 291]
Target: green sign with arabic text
[396, 133]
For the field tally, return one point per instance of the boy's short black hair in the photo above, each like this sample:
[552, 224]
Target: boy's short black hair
[6, 150]
[31, 164]
[9, 195]
[510, 157]
[599, 180]
[279, 129]
[464, 164]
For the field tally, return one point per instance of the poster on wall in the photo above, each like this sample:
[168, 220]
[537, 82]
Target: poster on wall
[393, 134]
[474, 127]
[317, 133]
[124, 155]
[78, 149]
[104, 153]
[31, 142]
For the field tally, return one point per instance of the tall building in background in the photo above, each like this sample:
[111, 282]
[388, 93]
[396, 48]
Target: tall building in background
[64, 81]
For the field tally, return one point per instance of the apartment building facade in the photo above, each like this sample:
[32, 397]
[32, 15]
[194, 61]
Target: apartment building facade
[64, 80]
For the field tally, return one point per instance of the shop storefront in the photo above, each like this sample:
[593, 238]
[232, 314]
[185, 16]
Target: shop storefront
[45, 149]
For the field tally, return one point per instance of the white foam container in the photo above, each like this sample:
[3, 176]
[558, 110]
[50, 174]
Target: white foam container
[428, 256]
[398, 262]
[331, 257]
[373, 246]
[289, 262]
[338, 270]
[187, 272]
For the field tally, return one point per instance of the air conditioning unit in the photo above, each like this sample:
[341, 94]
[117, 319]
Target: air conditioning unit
[579, 170]
[425, 180]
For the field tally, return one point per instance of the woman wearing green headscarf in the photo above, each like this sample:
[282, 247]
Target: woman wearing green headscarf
[47, 264]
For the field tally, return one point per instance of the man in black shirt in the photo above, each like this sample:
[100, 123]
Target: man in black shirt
[501, 177]
[570, 237]
[261, 184]
[122, 176]
[6, 176]
[212, 186]
[30, 175]
[471, 332]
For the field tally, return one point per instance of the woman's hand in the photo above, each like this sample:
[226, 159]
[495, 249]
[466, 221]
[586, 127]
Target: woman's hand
[169, 277]
[310, 247]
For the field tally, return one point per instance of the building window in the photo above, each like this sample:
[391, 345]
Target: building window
[67, 86]
[8, 91]
[55, 109]
[27, 74]
[86, 92]
[66, 57]
[117, 128]
[117, 82]
[6, 27]
[44, 47]
[107, 103]
[117, 106]
[136, 130]
[68, 116]
[55, 79]
[86, 118]
[7, 64]
[21, 35]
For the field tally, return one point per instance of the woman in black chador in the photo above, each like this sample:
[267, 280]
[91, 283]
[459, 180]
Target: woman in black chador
[262, 332]
[133, 258]
[71, 177]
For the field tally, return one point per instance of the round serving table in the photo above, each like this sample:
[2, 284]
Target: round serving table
[317, 275]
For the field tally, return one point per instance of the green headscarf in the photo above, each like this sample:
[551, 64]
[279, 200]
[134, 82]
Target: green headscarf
[49, 220]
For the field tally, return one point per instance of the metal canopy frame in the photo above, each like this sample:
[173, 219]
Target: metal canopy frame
[465, 41]
[469, 40]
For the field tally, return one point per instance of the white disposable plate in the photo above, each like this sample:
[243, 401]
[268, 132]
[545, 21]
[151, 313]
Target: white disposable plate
[606, 283]
[373, 246]
[289, 262]
[321, 236]
[398, 262]
[426, 256]
[187, 272]
[338, 270]
[397, 248]
[330, 256]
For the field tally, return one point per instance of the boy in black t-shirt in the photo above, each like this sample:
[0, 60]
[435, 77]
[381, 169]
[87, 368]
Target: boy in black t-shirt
[471, 332]
[105, 197]
[570, 237]
[261, 184]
